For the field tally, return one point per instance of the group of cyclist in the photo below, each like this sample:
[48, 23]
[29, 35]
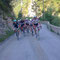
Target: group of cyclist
[26, 25]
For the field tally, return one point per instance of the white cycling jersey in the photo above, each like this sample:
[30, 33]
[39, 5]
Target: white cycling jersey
[27, 21]
[35, 21]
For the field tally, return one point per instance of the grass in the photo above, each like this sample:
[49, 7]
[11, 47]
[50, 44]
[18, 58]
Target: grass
[8, 33]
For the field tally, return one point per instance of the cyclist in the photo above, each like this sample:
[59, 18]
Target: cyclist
[22, 26]
[27, 25]
[31, 26]
[16, 28]
[35, 25]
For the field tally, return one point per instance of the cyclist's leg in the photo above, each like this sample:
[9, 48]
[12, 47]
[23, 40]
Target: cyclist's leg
[27, 29]
[32, 31]
[36, 31]
[23, 31]
[17, 34]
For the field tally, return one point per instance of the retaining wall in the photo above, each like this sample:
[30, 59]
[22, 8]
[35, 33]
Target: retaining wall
[52, 27]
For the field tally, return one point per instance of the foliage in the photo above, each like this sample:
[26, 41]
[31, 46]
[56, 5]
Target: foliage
[16, 5]
[55, 4]
[41, 18]
[16, 10]
[48, 15]
[3, 7]
[56, 21]
[36, 8]
[20, 15]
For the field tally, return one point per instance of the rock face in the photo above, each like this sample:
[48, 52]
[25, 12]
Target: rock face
[51, 27]
[5, 25]
[10, 23]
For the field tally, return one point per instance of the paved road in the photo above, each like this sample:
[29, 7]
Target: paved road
[30, 48]
[50, 43]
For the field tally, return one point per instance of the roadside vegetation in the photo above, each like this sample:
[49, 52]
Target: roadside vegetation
[51, 10]
[8, 34]
[12, 8]
[53, 19]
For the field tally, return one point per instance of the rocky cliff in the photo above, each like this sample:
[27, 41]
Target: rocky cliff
[5, 25]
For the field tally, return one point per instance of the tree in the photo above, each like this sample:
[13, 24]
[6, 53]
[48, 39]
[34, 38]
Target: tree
[20, 15]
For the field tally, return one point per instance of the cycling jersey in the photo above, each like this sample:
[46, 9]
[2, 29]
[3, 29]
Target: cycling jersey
[35, 22]
[22, 23]
[27, 22]
[15, 24]
[31, 23]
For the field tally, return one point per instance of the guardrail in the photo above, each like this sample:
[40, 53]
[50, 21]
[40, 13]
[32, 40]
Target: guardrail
[52, 27]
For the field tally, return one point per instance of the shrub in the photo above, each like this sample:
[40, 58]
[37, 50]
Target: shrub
[41, 18]
[48, 14]
[20, 15]
[56, 21]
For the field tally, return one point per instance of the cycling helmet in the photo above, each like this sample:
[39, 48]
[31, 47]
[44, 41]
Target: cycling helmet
[14, 20]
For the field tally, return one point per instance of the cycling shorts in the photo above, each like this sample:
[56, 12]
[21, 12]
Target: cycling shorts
[36, 24]
[22, 25]
[27, 23]
[31, 24]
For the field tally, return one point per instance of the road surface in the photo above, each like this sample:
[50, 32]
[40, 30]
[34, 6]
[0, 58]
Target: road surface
[47, 47]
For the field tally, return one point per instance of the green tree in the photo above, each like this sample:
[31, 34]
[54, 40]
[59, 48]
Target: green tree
[20, 15]
[48, 14]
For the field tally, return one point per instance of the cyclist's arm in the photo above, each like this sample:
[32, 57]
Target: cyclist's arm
[40, 25]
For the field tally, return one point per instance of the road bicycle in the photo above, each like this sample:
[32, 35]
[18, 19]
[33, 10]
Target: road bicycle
[17, 33]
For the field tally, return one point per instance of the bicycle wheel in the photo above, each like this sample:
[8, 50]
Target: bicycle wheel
[17, 35]
[32, 31]
[36, 32]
